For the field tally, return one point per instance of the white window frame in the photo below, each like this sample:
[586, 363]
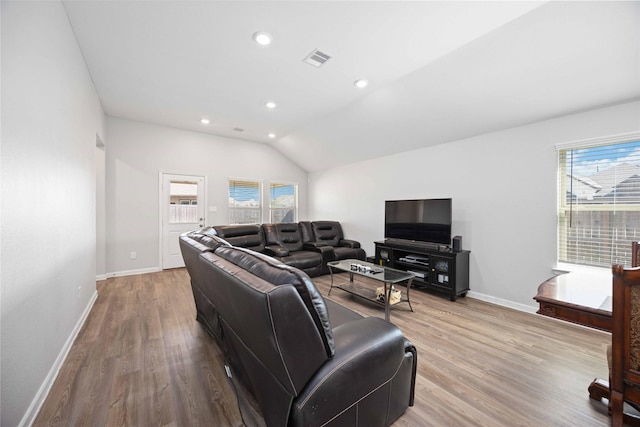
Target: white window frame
[295, 195]
[563, 207]
[259, 208]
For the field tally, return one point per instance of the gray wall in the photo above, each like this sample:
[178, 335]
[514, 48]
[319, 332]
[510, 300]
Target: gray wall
[138, 152]
[50, 118]
[101, 220]
[503, 187]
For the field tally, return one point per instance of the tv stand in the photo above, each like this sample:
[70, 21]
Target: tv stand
[436, 267]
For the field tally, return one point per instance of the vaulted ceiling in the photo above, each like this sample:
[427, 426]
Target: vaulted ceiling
[438, 71]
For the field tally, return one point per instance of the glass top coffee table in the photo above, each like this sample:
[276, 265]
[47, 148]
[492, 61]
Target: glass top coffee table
[387, 276]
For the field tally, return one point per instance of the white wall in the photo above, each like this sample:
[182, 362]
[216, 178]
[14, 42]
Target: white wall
[503, 187]
[50, 118]
[101, 220]
[137, 152]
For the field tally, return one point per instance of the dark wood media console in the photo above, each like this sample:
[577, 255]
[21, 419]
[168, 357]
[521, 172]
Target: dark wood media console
[441, 270]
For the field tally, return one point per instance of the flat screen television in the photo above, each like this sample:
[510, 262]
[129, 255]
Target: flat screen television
[426, 220]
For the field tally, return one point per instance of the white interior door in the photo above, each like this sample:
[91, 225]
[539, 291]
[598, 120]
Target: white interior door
[182, 210]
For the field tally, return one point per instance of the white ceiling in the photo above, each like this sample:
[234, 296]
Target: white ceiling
[438, 70]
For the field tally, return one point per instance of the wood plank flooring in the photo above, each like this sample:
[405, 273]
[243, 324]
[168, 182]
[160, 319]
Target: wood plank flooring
[141, 359]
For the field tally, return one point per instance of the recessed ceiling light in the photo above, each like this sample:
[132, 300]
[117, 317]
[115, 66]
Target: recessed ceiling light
[262, 38]
[205, 121]
[270, 104]
[272, 135]
[361, 83]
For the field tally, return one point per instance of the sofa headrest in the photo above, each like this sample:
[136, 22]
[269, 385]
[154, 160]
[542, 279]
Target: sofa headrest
[307, 231]
[284, 234]
[208, 231]
[248, 236]
[276, 273]
[329, 232]
[209, 240]
[237, 230]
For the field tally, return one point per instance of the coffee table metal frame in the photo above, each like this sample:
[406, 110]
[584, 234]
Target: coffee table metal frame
[388, 276]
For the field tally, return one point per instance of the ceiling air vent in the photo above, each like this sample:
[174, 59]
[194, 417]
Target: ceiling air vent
[317, 58]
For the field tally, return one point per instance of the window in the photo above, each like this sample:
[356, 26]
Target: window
[183, 198]
[599, 201]
[245, 205]
[283, 202]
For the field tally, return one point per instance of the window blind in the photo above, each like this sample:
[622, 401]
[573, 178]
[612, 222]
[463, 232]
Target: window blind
[283, 202]
[598, 203]
[245, 205]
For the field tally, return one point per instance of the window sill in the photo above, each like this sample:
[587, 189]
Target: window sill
[562, 267]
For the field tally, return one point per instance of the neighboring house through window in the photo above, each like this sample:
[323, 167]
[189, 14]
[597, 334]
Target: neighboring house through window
[283, 202]
[599, 201]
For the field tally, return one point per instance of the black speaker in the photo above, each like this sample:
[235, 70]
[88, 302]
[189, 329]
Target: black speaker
[457, 243]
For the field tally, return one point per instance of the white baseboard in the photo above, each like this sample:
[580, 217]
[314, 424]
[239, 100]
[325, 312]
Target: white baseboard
[30, 416]
[503, 302]
[129, 273]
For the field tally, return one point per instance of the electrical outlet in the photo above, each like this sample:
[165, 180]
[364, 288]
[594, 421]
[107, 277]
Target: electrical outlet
[133, 255]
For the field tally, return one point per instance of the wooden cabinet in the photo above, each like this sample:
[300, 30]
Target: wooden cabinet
[444, 271]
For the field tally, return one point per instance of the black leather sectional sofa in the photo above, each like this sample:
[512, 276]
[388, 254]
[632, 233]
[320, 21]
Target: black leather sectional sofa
[306, 360]
[307, 245]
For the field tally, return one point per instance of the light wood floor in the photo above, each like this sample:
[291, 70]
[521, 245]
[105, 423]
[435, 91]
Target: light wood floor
[141, 359]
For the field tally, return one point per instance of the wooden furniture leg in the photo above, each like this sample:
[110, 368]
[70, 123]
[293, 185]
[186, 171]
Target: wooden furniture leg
[616, 409]
[599, 389]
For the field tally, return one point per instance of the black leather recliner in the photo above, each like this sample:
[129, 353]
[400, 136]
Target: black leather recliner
[284, 242]
[308, 245]
[197, 243]
[306, 360]
[329, 234]
[250, 236]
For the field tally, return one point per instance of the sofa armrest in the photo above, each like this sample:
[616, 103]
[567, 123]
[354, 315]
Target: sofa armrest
[370, 356]
[315, 245]
[325, 250]
[276, 250]
[349, 243]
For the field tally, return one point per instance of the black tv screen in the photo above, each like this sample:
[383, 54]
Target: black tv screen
[426, 220]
